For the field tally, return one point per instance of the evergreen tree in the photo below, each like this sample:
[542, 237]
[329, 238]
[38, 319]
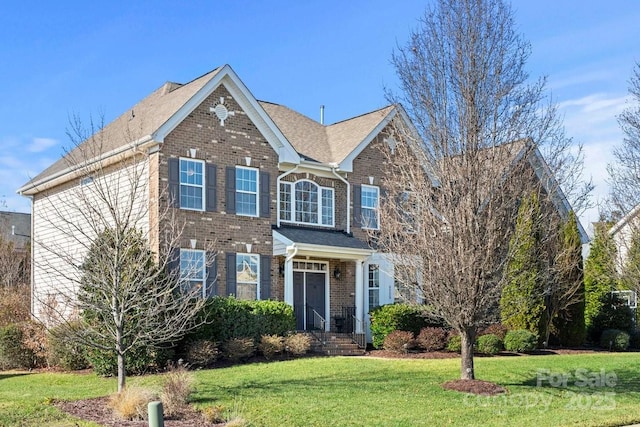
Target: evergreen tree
[599, 272]
[565, 302]
[522, 299]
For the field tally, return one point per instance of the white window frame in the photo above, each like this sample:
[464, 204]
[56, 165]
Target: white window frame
[186, 184]
[239, 257]
[255, 193]
[320, 204]
[375, 209]
[370, 283]
[187, 276]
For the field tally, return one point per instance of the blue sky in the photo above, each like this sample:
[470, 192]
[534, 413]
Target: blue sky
[93, 58]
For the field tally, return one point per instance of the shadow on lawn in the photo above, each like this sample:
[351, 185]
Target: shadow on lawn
[581, 380]
[12, 374]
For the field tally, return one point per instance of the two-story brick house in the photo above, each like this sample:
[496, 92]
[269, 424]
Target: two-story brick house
[288, 201]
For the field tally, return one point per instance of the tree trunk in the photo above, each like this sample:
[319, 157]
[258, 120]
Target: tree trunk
[121, 372]
[467, 336]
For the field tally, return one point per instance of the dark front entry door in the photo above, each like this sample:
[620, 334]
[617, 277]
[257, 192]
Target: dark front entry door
[308, 295]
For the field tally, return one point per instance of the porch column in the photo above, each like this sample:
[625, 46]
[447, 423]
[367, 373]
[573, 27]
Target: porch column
[288, 280]
[359, 297]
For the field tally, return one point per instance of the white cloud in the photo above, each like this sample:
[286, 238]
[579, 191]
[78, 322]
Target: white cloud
[41, 144]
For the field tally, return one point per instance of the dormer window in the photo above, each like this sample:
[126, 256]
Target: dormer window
[306, 202]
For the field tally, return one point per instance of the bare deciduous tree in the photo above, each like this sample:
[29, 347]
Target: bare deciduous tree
[103, 248]
[477, 123]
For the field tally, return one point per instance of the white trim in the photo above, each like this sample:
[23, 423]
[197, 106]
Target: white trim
[201, 186]
[292, 192]
[250, 255]
[257, 192]
[204, 268]
[347, 163]
[376, 209]
[327, 290]
[320, 251]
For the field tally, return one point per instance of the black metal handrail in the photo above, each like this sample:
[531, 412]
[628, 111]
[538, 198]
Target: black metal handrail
[315, 323]
[353, 324]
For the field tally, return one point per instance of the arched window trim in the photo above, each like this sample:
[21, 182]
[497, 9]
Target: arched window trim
[290, 202]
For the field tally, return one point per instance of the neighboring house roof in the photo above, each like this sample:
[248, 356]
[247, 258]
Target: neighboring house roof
[325, 143]
[16, 228]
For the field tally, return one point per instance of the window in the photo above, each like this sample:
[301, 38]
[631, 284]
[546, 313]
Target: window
[374, 286]
[369, 202]
[246, 191]
[306, 202]
[193, 269]
[408, 211]
[191, 184]
[86, 180]
[247, 270]
[407, 289]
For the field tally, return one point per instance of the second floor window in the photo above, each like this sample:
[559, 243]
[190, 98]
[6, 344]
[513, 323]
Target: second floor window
[246, 191]
[191, 184]
[306, 202]
[370, 197]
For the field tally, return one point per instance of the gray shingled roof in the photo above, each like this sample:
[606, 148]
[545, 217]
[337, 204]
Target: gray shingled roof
[312, 236]
[143, 119]
[22, 224]
[324, 143]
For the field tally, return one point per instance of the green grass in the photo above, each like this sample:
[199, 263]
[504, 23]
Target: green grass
[370, 392]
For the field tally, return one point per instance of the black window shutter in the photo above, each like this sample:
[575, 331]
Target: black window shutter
[211, 186]
[212, 276]
[357, 205]
[231, 273]
[174, 183]
[230, 187]
[265, 197]
[265, 277]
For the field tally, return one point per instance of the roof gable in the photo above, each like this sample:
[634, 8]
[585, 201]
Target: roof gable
[154, 117]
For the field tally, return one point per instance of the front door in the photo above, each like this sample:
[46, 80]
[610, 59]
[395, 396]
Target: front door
[308, 299]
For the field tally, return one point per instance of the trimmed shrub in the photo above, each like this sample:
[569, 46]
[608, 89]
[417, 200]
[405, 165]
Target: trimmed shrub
[489, 344]
[432, 339]
[270, 345]
[520, 340]
[454, 344]
[237, 349]
[297, 344]
[131, 403]
[139, 360]
[64, 352]
[397, 317]
[614, 340]
[177, 387]
[202, 353]
[399, 341]
[497, 329]
[228, 318]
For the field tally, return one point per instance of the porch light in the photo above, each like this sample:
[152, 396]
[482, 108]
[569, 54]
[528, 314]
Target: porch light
[337, 272]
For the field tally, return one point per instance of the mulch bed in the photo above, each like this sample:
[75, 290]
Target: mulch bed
[96, 410]
[484, 388]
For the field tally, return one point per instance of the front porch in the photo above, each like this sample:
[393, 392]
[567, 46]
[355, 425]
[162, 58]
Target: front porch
[323, 279]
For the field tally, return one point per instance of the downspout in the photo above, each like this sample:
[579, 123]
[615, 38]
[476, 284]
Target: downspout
[333, 170]
[278, 192]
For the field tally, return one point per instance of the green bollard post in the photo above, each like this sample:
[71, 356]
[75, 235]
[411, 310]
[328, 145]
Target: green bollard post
[156, 418]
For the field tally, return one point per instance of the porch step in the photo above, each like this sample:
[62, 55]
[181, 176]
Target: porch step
[336, 344]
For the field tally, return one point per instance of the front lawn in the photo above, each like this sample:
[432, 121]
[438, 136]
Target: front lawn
[376, 392]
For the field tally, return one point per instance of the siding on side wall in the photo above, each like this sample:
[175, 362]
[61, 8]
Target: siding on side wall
[56, 213]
